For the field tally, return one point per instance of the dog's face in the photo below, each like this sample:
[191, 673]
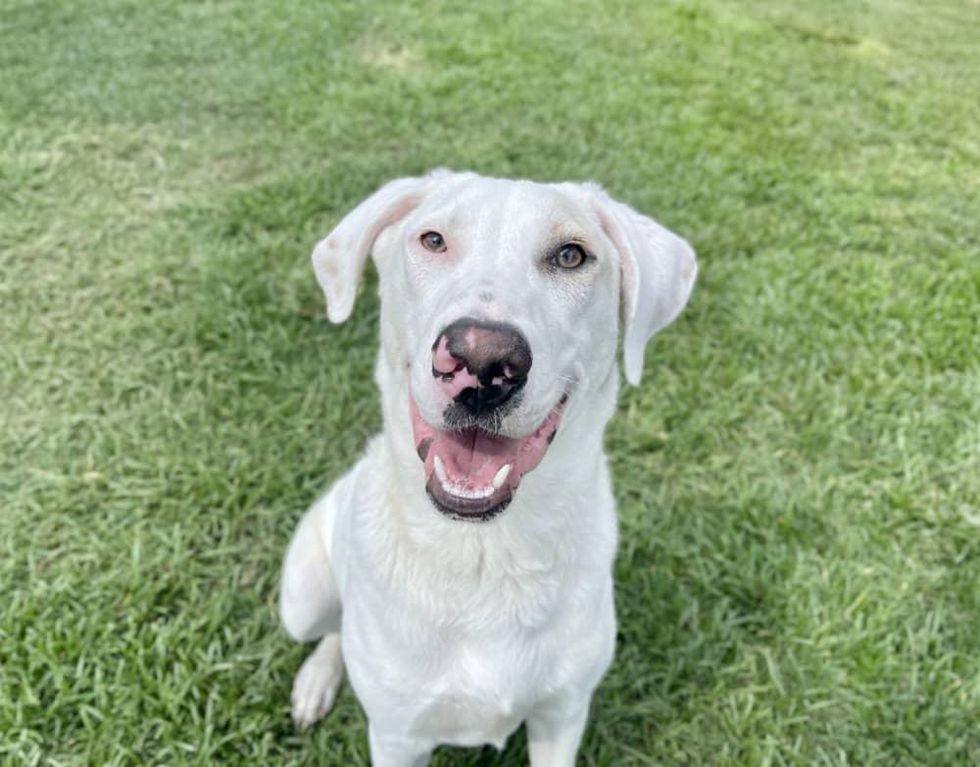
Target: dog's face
[499, 304]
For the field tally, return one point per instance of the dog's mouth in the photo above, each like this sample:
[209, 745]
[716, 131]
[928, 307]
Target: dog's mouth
[472, 474]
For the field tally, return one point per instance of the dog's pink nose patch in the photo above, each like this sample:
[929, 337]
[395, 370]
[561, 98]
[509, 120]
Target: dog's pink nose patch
[453, 375]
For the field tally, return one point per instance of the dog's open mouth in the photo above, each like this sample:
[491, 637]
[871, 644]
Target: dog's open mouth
[472, 474]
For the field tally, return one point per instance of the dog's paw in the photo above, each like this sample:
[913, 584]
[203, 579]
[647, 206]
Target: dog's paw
[316, 684]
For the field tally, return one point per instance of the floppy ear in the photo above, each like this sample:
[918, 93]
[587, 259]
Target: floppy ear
[658, 269]
[338, 260]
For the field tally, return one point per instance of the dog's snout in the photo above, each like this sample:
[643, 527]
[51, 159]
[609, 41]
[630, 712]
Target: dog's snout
[481, 365]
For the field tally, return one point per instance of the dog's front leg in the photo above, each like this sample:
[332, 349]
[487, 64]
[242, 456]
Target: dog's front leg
[553, 735]
[397, 751]
[310, 608]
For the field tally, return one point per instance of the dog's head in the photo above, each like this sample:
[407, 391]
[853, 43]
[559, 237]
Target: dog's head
[499, 303]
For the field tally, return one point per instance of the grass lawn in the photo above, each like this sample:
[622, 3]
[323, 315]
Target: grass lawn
[798, 476]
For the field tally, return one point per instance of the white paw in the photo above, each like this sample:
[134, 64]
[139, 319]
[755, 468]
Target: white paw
[316, 684]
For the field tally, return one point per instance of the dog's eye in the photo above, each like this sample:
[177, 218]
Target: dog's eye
[434, 242]
[569, 256]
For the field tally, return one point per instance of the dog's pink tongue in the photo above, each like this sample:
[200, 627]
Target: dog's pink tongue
[473, 458]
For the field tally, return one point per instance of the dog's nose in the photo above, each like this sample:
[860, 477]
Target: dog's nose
[481, 365]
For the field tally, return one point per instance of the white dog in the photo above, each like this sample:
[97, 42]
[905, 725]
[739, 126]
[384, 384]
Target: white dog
[462, 570]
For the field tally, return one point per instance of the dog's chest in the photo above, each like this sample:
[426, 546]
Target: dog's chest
[480, 692]
[451, 684]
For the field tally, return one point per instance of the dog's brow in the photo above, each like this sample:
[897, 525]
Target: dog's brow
[447, 214]
[565, 235]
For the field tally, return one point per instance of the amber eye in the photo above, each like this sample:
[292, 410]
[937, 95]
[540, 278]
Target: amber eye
[433, 241]
[569, 256]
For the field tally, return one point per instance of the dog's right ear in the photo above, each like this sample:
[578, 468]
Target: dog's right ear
[338, 259]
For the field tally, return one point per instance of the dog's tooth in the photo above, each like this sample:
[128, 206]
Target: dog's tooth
[440, 470]
[501, 476]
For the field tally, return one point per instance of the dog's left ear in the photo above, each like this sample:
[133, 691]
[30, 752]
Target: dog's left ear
[339, 258]
[657, 268]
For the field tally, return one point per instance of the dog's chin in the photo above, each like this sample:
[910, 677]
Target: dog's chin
[472, 474]
[468, 509]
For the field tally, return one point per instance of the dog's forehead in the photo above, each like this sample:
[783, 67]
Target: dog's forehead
[523, 204]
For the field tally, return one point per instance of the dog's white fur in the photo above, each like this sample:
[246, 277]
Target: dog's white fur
[455, 631]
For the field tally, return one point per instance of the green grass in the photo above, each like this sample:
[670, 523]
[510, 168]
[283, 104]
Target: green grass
[798, 477]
